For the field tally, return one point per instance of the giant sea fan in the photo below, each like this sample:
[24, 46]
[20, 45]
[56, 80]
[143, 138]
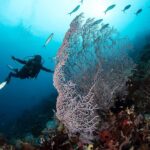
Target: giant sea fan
[92, 66]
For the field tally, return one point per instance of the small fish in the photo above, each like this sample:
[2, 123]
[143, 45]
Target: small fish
[104, 26]
[2, 85]
[109, 8]
[52, 59]
[138, 12]
[74, 10]
[48, 39]
[81, 1]
[53, 110]
[97, 22]
[126, 7]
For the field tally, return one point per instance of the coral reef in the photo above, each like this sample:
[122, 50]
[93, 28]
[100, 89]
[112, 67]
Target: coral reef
[92, 65]
[128, 131]
[139, 84]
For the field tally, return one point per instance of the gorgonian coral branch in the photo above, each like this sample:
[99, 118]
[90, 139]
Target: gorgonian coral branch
[92, 66]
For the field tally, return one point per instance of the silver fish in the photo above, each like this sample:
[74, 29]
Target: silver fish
[97, 22]
[126, 7]
[109, 8]
[48, 39]
[104, 26]
[138, 12]
[74, 10]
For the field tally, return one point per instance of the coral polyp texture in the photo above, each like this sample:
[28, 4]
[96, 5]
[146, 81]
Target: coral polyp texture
[92, 65]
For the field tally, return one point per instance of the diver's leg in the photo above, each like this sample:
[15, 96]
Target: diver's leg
[11, 74]
[13, 69]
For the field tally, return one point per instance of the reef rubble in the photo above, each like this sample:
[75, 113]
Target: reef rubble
[129, 131]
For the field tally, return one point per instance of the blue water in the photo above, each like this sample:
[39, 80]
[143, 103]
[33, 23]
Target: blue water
[24, 27]
[23, 94]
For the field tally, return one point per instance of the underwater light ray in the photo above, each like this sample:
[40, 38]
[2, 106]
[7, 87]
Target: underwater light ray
[42, 19]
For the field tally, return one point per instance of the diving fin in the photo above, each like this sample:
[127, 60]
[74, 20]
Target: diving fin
[3, 84]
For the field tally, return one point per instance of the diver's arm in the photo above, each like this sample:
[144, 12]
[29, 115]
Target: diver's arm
[18, 60]
[47, 70]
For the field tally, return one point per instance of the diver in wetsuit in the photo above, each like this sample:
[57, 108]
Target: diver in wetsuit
[31, 68]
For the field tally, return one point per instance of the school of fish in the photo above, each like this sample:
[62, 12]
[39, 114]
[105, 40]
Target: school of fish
[109, 8]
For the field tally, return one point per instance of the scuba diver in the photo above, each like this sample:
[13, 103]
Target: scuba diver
[31, 68]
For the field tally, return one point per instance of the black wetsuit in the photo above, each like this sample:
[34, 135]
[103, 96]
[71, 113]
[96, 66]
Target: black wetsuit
[30, 69]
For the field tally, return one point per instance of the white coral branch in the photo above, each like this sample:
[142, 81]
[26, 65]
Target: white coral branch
[92, 66]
